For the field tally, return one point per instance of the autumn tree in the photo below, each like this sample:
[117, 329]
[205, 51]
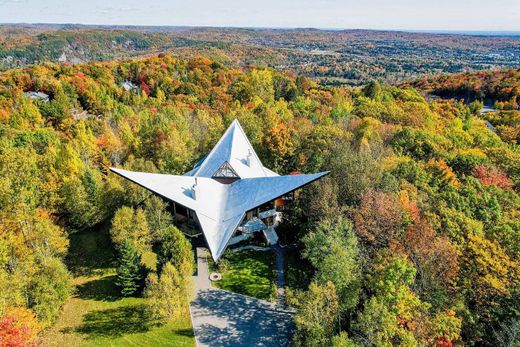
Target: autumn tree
[378, 219]
[157, 216]
[395, 314]
[49, 290]
[18, 327]
[131, 225]
[332, 248]
[169, 294]
[317, 316]
[487, 275]
[175, 249]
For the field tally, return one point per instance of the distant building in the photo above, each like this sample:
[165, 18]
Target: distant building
[129, 86]
[487, 109]
[38, 96]
[229, 195]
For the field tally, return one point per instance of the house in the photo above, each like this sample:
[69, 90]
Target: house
[37, 96]
[129, 86]
[228, 195]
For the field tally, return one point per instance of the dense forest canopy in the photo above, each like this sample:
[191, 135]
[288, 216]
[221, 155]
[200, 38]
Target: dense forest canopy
[420, 209]
[499, 90]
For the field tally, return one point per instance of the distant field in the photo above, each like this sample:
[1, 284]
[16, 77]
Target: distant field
[97, 316]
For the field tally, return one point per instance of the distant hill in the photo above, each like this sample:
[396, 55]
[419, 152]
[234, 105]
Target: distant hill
[482, 85]
[331, 56]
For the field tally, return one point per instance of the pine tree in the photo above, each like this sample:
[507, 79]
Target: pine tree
[130, 272]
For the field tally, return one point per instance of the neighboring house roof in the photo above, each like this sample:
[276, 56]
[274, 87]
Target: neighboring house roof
[37, 95]
[127, 85]
[221, 207]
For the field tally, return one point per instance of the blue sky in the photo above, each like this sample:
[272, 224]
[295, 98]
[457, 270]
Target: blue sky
[374, 14]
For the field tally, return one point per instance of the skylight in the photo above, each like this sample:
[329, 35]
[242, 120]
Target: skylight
[225, 171]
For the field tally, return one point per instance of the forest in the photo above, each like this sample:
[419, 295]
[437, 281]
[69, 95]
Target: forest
[332, 57]
[412, 240]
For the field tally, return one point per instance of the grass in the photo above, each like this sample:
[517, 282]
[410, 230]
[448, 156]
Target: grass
[97, 316]
[251, 273]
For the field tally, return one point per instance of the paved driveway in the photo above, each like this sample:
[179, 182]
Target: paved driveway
[221, 318]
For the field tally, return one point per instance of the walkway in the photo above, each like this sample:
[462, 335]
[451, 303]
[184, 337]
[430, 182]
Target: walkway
[222, 318]
[278, 251]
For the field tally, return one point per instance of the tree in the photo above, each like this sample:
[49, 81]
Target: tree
[435, 259]
[130, 224]
[169, 294]
[332, 248]
[488, 280]
[342, 340]
[157, 216]
[18, 327]
[377, 324]
[49, 290]
[446, 328]
[394, 315]
[490, 175]
[130, 271]
[378, 219]
[348, 165]
[174, 248]
[317, 316]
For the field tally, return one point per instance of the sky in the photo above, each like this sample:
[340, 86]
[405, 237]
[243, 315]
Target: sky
[444, 15]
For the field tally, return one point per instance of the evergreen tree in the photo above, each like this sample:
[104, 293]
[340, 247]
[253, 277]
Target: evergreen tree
[130, 271]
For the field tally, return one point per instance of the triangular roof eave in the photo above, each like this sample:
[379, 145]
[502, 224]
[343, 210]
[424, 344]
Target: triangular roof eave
[251, 146]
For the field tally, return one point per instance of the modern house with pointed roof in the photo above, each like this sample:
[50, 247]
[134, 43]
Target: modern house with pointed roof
[224, 191]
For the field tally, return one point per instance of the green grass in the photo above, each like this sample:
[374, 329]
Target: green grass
[250, 273]
[97, 316]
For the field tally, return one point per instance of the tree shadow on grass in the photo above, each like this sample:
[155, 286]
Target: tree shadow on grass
[116, 322]
[90, 252]
[102, 289]
[184, 332]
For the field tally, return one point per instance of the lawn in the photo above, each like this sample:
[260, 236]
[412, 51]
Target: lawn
[97, 316]
[250, 273]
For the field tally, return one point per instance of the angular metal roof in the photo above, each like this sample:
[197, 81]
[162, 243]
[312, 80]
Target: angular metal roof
[221, 207]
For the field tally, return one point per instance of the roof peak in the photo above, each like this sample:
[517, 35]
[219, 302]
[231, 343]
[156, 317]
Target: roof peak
[235, 148]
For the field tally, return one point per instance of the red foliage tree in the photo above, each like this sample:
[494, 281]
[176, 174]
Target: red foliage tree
[434, 257]
[18, 328]
[490, 175]
[145, 88]
[378, 218]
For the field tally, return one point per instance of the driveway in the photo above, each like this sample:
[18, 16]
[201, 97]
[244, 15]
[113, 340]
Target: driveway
[222, 318]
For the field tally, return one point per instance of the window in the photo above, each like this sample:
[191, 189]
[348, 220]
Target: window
[225, 171]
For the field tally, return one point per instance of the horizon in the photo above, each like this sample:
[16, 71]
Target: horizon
[400, 15]
[472, 32]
